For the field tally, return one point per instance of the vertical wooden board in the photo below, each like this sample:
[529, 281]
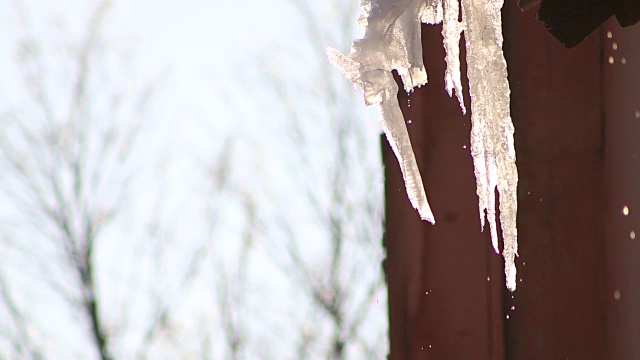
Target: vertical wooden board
[403, 242]
[557, 111]
[621, 69]
[454, 312]
[560, 101]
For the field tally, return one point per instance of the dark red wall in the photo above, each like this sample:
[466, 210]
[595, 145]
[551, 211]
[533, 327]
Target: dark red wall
[578, 148]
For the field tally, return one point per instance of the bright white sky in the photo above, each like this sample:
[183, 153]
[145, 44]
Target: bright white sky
[200, 41]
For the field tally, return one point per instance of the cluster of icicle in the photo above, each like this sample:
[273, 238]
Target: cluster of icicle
[392, 42]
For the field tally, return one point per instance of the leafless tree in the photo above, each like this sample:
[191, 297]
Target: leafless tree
[330, 249]
[73, 156]
[228, 264]
[53, 167]
[231, 292]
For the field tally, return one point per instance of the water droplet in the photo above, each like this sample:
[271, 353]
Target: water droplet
[464, 146]
[632, 235]
[409, 121]
[614, 46]
[513, 307]
[623, 60]
[507, 316]
[429, 346]
[625, 210]
[637, 114]
[520, 279]
[524, 263]
[611, 60]
[408, 102]
[616, 294]
[422, 348]
[488, 278]
[609, 34]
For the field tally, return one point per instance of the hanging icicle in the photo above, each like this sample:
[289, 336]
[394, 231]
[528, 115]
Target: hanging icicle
[392, 42]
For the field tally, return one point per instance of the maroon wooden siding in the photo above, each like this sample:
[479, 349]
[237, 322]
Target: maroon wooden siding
[578, 148]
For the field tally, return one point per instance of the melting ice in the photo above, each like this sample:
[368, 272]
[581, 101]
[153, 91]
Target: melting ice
[392, 42]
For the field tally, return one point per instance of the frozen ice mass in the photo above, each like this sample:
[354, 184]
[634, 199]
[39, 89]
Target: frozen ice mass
[392, 42]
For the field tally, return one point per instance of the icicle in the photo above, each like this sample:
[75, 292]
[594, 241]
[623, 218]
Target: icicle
[451, 29]
[392, 42]
[492, 147]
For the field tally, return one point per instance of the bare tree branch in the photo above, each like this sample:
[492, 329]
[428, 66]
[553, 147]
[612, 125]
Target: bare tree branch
[23, 344]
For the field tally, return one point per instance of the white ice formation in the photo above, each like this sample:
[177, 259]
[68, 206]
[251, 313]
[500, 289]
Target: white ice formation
[392, 42]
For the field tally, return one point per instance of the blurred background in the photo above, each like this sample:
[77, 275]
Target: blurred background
[186, 180]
